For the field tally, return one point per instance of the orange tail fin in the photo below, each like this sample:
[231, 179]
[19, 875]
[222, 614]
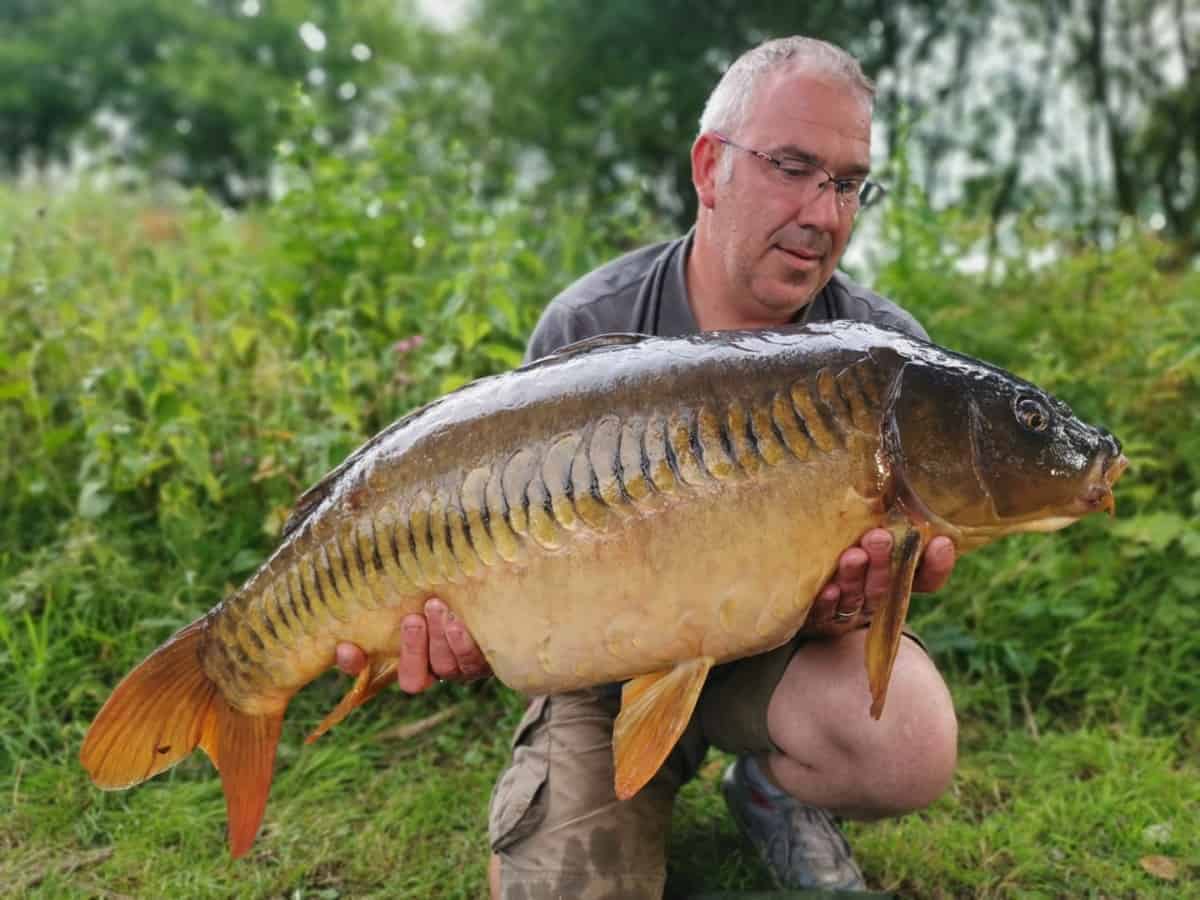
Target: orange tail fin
[243, 749]
[162, 711]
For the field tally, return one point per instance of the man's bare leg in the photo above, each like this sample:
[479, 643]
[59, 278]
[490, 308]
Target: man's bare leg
[835, 756]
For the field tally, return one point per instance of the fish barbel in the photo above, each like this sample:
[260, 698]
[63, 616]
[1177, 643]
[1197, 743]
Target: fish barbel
[629, 509]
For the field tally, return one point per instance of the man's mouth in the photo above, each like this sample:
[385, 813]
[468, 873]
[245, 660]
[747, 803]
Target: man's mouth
[804, 254]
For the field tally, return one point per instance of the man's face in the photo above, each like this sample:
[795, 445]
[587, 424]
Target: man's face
[777, 250]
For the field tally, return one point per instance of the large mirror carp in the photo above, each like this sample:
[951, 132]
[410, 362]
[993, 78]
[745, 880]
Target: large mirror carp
[630, 509]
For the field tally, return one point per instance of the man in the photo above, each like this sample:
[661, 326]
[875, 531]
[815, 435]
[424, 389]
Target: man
[780, 169]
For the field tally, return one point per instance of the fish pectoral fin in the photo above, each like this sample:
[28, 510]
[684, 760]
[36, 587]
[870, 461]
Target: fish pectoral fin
[375, 676]
[883, 637]
[655, 709]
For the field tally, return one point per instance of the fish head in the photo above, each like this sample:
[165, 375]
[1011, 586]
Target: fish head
[984, 453]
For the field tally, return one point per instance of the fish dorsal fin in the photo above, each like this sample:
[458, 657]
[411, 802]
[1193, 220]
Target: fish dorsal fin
[883, 637]
[587, 345]
[611, 339]
[377, 674]
[307, 503]
[655, 709]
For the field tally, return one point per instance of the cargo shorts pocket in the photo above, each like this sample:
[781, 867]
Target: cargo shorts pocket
[514, 812]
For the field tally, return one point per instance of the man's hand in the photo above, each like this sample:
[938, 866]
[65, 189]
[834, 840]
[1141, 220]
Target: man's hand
[433, 647]
[860, 584]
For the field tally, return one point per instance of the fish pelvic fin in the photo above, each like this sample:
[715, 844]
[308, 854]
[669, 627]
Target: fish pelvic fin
[883, 637]
[377, 674]
[655, 709]
[242, 747]
[154, 718]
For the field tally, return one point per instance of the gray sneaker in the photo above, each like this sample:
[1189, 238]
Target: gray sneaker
[801, 845]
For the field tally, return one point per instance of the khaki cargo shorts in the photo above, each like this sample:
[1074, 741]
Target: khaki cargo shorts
[555, 821]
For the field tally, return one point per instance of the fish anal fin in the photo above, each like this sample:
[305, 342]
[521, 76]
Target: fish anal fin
[245, 757]
[155, 716]
[377, 674]
[883, 637]
[655, 709]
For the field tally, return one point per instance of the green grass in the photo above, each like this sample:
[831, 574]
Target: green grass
[171, 378]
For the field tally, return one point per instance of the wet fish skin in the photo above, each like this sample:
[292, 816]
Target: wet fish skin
[635, 508]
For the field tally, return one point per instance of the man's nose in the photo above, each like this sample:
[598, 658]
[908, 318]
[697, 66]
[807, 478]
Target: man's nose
[821, 211]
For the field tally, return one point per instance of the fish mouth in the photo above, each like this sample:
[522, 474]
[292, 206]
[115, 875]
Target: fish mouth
[1098, 496]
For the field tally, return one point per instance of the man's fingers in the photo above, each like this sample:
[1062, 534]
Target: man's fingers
[936, 565]
[412, 673]
[878, 545]
[471, 661]
[825, 605]
[349, 658]
[441, 658]
[851, 570]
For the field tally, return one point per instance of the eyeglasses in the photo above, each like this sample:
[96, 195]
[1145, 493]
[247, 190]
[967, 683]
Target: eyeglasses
[804, 178]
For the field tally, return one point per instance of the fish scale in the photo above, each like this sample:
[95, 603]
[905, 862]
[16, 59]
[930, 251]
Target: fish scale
[630, 509]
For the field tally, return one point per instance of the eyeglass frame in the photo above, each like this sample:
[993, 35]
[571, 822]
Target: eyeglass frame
[872, 191]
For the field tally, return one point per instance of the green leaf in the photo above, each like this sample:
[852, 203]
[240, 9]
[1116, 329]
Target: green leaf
[1155, 530]
[93, 501]
[1190, 542]
[243, 339]
[452, 382]
[246, 560]
[505, 357]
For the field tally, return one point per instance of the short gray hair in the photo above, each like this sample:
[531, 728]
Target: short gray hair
[729, 102]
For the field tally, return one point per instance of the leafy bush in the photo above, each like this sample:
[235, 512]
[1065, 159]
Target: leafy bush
[171, 377]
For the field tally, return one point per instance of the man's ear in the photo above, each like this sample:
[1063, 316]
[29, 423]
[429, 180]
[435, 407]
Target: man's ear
[706, 154]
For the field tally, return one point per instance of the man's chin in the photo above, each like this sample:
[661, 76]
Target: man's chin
[786, 297]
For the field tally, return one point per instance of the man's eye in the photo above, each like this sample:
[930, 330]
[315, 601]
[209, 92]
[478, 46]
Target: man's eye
[798, 171]
[847, 187]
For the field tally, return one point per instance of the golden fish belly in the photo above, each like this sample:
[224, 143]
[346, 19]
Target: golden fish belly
[725, 573]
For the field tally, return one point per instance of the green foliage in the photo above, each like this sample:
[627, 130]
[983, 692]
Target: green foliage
[413, 250]
[200, 85]
[172, 376]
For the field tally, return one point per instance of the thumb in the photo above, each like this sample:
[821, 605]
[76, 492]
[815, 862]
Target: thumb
[349, 658]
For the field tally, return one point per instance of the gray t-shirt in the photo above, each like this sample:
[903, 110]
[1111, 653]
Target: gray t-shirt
[645, 292]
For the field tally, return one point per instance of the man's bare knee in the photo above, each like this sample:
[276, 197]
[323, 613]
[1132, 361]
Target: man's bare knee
[914, 748]
[834, 755]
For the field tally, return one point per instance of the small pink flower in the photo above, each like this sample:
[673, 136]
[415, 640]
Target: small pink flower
[408, 344]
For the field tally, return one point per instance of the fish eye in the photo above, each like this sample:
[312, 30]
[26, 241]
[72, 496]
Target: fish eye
[1033, 414]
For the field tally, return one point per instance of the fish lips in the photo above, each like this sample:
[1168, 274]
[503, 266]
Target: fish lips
[1098, 495]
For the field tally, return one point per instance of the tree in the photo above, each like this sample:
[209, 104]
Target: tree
[190, 88]
[1074, 106]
